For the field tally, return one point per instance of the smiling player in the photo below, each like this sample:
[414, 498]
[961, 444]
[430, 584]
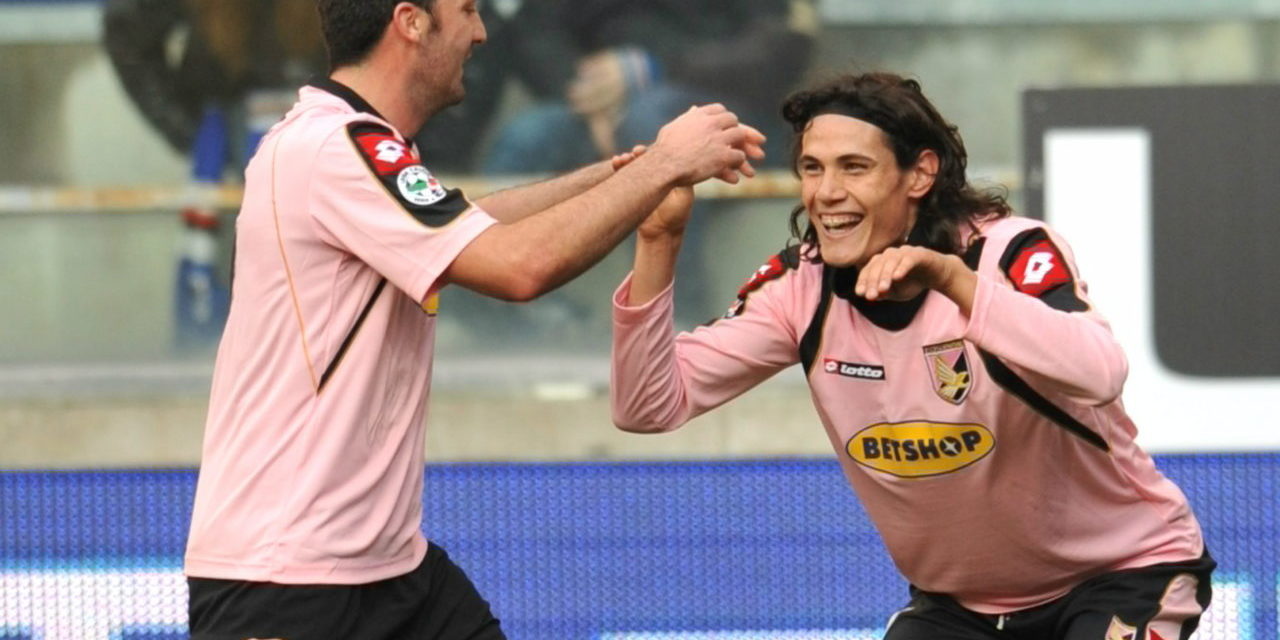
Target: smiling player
[969, 388]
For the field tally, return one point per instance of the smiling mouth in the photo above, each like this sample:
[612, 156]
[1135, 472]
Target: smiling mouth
[839, 224]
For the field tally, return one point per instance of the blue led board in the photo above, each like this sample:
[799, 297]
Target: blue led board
[776, 549]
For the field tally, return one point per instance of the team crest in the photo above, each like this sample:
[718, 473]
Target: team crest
[418, 186]
[948, 365]
[1120, 631]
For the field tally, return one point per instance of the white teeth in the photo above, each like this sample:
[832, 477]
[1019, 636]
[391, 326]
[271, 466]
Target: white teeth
[836, 222]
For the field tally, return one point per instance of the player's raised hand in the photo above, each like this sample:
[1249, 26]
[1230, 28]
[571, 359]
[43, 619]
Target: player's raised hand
[669, 219]
[702, 143]
[902, 273]
[753, 145]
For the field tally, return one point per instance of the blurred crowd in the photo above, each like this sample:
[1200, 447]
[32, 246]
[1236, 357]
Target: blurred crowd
[559, 84]
[594, 76]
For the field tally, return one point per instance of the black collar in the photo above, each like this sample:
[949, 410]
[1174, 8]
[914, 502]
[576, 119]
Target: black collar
[325, 83]
[887, 314]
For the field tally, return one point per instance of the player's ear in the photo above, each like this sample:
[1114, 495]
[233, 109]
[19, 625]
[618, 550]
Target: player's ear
[923, 174]
[410, 21]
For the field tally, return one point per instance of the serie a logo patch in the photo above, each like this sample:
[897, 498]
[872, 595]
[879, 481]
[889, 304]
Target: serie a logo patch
[948, 365]
[418, 186]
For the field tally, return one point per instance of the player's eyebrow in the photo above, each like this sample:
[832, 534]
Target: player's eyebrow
[848, 157]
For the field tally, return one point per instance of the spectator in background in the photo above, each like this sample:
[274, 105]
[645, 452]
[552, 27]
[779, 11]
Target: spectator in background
[176, 59]
[606, 74]
[212, 76]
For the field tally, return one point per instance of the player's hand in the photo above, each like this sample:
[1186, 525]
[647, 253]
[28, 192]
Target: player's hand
[669, 219]
[623, 159]
[705, 142]
[902, 273]
[753, 146]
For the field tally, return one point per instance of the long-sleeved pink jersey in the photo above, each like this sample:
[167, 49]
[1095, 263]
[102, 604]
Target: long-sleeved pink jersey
[992, 451]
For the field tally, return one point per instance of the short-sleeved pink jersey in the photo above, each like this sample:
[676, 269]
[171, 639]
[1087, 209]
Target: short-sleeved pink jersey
[313, 451]
[992, 451]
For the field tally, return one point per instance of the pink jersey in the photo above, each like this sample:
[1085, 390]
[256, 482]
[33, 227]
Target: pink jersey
[313, 451]
[992, 452]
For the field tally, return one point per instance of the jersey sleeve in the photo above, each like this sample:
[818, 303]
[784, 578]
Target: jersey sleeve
[1032, 311]
[372, 196]
[661, 380]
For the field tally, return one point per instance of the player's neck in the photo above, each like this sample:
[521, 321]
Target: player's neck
[386, 90]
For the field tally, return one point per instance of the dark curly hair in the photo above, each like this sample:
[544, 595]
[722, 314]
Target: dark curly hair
[912, 124]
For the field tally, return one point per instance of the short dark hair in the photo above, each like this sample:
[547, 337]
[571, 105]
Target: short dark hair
[352, 27]
[912, 124]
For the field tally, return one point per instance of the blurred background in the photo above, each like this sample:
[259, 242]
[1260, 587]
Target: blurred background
[1144, 130]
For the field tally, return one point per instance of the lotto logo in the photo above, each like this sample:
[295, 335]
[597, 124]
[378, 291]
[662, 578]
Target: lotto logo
[853, 370]
[390, 151]
[1038, 266]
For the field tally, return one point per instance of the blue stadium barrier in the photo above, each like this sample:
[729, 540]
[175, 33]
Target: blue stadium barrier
[774, 549]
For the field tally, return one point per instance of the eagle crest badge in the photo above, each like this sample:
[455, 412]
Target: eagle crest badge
[948, 366]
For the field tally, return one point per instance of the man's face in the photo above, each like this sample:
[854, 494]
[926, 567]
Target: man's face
[456, 29]
[857, 198]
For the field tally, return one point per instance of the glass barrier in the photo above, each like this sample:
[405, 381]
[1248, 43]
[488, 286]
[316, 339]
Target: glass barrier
[110, 295]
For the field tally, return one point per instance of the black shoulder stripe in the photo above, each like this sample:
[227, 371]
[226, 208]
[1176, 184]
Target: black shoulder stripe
[1036, 266]
[1019, 388]
[368, 126]
[790, 257]
[443, 212]
[397, 166]
[811, 341]
[973, 255]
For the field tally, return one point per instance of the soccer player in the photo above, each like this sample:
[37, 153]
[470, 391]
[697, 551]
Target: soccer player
[308, 508]
[970, 389]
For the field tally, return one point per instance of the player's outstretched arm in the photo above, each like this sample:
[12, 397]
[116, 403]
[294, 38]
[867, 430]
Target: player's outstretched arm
[516, 203]
[658, 243]
[525, 259]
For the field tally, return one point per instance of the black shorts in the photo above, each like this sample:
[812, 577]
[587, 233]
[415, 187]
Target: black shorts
[436, 601]
[1161, 601]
